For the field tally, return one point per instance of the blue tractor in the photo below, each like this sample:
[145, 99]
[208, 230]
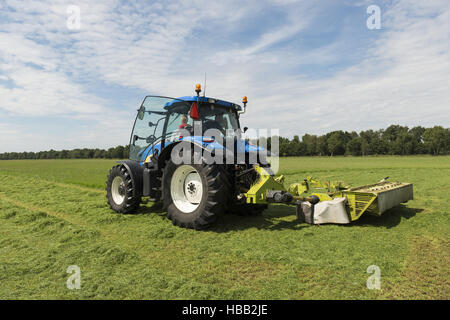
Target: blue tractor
[196, 191]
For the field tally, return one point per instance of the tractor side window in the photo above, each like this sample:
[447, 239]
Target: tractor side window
[148, 127]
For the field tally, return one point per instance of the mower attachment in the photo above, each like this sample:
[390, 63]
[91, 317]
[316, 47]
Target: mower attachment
[329, 202]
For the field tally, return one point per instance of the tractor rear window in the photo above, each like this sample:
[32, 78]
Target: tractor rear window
[224, 116]
[212, 116]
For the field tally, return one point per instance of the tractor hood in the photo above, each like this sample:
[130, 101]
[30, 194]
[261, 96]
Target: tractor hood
[242, 146]
[207, 143]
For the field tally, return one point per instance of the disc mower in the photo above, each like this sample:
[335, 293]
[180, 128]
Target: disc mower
[199, 175]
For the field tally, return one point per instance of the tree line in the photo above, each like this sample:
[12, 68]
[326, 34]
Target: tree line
[119, 152]
[394, 140]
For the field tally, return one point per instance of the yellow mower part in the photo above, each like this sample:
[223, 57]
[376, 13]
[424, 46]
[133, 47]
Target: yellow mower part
[359, 203]
[258, 191]
[312, 185]
[297, 189]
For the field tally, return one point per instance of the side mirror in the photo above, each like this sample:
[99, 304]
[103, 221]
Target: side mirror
[135, 137]
[245, 129]
[151, 124]
[141, 113]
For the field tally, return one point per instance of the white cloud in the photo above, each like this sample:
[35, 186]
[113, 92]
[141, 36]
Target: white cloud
[404, 78]
[165, 47]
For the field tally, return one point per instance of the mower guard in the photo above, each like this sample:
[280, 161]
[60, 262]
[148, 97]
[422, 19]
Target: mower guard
[377, 198]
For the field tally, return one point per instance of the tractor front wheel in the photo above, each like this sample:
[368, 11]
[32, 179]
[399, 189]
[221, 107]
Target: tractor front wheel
[120, 192]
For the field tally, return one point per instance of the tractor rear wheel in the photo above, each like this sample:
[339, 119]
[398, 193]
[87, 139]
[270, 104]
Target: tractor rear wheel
[120, 192]
[194, 194]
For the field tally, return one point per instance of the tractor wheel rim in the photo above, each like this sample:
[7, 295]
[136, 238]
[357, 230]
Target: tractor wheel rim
[186, 188]
[118, 190]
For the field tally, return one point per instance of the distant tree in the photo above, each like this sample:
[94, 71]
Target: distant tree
[322, 145]
[297, 148]
[366, 139]
[284, 147]
[77, 153]
[402, 144]
[391, 132]
[336, 143]
[354, 146]
[99, 154]
[417, 144]
[310, 144]
[118, 152]
[436, 140]
[395, 136]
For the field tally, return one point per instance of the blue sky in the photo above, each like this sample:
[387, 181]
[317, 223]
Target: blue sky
[306, 66]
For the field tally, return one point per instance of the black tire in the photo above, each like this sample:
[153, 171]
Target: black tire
[213, 202]
[132, 197]
[248, 209]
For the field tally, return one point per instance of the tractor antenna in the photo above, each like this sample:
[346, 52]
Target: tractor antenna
[204, 87]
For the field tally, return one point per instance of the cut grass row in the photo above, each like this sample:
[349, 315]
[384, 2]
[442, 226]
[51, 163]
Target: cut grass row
[50, 222]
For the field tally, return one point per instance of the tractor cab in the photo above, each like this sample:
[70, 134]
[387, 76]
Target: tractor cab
[161, 120]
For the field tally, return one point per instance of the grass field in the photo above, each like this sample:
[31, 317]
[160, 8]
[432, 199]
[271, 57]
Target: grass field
[53, 214]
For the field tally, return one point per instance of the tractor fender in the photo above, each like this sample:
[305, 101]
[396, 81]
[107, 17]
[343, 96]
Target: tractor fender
[166, 153]
[136, 172]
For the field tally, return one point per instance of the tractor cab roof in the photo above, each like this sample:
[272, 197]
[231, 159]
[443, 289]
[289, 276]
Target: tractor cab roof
[173, 103]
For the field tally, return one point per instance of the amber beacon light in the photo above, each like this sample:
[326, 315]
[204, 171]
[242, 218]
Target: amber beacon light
[198, 88]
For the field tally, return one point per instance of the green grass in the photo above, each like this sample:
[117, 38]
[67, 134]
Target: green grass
[53, 214]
